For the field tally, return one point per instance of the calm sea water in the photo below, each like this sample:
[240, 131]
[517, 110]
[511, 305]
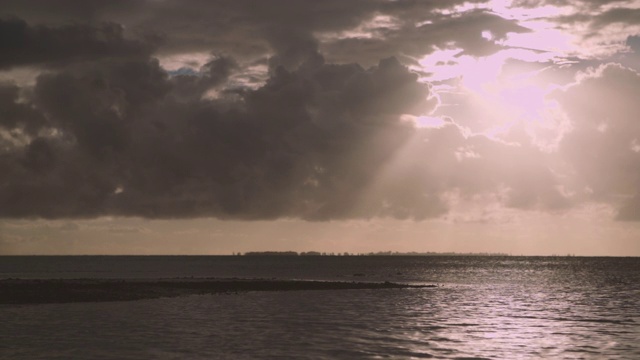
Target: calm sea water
[487, 307]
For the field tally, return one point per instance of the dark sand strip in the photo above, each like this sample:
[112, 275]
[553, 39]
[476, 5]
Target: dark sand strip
[23, 291]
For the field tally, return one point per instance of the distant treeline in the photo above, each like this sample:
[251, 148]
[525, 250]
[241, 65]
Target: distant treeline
[379, 253]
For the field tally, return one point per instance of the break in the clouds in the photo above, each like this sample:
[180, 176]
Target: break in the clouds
[317, 110]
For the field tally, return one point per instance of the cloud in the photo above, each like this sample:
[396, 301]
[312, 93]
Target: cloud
[22, 44]
[618, 15]
[189, 84]
[601, 18]
[603, 146]
[69, 226]
[592, 4]
[286, 30]
[15, 114]
[319, 134]
[326, 141]
[416, 37]
[129, 140]
[597, 29]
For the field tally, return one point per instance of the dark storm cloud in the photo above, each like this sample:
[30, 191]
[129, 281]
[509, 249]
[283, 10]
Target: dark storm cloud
[323, 142]
[306, 144]
[246, 29]
[17, 115]
[98, 103]
[243, 28]
[105, 130]
[22, 44]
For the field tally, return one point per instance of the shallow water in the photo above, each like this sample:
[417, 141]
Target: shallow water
[487, 307]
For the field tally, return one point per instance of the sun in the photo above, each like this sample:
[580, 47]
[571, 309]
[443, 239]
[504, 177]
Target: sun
[492, 94]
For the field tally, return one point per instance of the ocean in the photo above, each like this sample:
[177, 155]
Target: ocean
[485, 307]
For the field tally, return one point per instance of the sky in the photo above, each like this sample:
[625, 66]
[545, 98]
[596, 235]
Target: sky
[214, 127]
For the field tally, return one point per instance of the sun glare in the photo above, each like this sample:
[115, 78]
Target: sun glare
[481, 88]
[505, 97]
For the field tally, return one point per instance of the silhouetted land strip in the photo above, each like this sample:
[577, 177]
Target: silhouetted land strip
[28, 291]
[379, 253]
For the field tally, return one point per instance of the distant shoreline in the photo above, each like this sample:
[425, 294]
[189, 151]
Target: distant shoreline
[48, 291]
[327, 255]
[304, 253]
[379, 253]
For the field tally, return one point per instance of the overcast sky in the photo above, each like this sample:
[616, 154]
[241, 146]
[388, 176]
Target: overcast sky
[211, 127]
